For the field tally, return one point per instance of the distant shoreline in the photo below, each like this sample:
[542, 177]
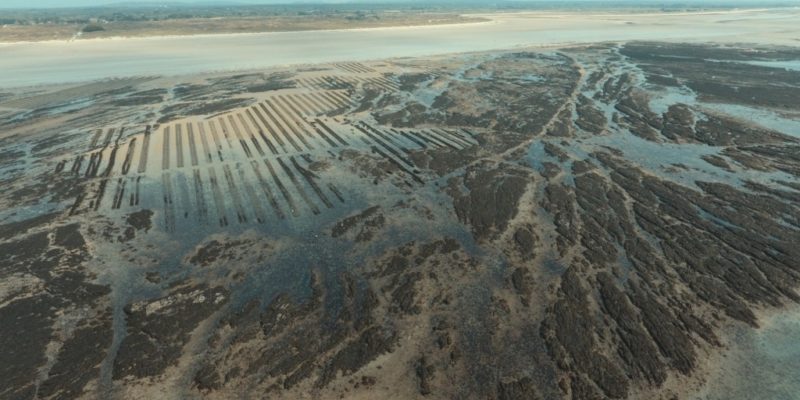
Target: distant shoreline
[470, 17]
[200, 27]
[234, 34]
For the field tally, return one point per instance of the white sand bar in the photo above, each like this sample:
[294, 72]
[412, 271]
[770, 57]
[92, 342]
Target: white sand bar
[24, 64]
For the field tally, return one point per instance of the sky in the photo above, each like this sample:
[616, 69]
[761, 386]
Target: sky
[77, 3]
[84, 3]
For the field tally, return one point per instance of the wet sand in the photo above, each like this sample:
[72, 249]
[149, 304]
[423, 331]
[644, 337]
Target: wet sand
[27, 64]
[760, 363]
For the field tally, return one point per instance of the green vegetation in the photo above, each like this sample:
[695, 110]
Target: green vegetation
[353, 11]
[92, 28]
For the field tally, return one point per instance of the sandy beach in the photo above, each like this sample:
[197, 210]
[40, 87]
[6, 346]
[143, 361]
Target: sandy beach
[36, 63]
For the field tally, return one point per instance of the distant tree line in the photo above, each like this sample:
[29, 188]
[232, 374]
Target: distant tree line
[356, 11]
[92, 28]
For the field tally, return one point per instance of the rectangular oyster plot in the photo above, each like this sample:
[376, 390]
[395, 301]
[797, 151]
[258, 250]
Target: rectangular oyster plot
[616, 220]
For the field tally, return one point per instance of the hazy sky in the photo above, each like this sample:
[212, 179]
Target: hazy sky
[74, 3]
[83, 3]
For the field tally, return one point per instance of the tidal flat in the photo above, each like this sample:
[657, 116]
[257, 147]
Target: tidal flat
[586, 221]
[62, 61]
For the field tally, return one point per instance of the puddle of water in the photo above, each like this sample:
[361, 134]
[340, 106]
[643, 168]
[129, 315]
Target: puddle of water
[537, 155]
[625, 264]
[715, 219]
[426, 95]
[554, 266]
[662, 100]
[655, 157]
[760, 117]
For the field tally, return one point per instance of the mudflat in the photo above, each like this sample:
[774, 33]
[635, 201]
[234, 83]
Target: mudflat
[609, 207]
